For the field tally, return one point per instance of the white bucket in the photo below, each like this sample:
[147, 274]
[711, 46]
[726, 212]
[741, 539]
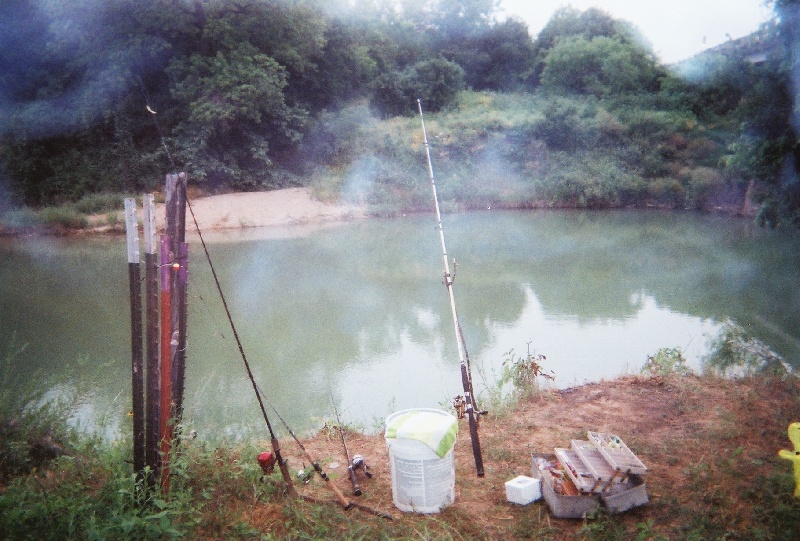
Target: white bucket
[421, 481]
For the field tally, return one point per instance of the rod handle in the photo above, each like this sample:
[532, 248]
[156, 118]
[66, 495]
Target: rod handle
[354, 481]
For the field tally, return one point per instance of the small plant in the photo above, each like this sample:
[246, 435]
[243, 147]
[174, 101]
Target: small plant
[32, 427]
[523, 373]
[666, 362]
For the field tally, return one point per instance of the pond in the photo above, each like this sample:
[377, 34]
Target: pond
[359, 309]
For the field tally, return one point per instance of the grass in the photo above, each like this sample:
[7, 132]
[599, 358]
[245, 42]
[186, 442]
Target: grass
[715, 476]
[70, 216]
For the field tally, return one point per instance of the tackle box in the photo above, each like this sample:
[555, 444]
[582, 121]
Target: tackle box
[617, 453]
[600, 470]
[622, 497]
[561, 505]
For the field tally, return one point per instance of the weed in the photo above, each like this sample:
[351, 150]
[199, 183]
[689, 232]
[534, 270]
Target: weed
[666, 362]
[534, 524]
[523, 373]
[602, 526]
[33, 428]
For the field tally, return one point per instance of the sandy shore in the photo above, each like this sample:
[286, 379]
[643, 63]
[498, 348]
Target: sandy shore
[290, 206]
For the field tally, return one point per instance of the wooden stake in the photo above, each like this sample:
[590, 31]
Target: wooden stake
[165, 429]
[137, 367]
[176, 229]
[153, 401]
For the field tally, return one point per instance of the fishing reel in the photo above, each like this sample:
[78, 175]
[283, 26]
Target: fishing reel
[267, 461]
[358, 463]
[305, 475]
[460, 405]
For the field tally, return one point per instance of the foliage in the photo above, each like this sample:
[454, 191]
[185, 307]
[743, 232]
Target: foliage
[733, 352]
[236, 112]
[602, 66]
[260, 94]
[32, 422]
[436, 82]
[523, 373]
[666, 362]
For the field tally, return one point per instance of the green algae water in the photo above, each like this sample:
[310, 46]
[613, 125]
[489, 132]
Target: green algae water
[362, 305]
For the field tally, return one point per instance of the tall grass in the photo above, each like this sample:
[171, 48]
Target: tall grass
[69, 216]
[528, 150]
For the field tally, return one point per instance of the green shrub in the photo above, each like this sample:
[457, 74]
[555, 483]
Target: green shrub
[33, 427]
[523, 373]
[666, 362]
[64, 217]
[99, 203]
[733, 352]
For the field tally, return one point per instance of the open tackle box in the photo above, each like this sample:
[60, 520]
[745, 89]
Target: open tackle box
[600, 469]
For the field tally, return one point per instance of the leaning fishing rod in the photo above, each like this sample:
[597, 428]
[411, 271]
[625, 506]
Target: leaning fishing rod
[287, 477]
[466, 379]
[354, 463]
[347, 504]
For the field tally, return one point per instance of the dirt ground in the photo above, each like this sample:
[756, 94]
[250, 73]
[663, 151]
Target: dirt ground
[696, 436]
[286, 207]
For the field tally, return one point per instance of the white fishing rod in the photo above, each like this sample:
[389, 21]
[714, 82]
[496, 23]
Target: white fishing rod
[466, 377]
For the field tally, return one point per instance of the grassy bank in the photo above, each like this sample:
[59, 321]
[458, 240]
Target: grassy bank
[710, 442]
[499, 150]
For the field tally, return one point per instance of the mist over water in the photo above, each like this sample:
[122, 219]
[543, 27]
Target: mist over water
[361, 307]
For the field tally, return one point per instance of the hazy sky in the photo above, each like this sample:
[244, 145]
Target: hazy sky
[677, 29]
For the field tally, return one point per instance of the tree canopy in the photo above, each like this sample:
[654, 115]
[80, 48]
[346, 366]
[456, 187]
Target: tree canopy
[105, 95]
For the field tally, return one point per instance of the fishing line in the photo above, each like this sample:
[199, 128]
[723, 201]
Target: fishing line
[259, 394]
[274, 440]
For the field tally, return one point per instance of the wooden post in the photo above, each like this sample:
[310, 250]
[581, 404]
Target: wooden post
[176, 229]
[137, 367]
[152, 424]
[165, 429]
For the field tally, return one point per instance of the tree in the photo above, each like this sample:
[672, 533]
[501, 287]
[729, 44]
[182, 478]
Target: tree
[593, 23]
[236, 111]
[436, 82]
[500, 58]
[768, 149]
[599, 66]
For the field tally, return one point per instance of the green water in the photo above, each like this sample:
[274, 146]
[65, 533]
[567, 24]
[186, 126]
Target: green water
[361, 307]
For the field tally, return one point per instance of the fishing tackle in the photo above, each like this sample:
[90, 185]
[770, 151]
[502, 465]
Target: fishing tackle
[358, 463]
[351, 464]
[276, 447]
[267, 462]
[466, 378]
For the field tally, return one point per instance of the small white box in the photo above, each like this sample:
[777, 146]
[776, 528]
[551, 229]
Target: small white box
[523, 490]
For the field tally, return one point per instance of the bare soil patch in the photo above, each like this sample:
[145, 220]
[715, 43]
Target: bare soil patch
[704, 440]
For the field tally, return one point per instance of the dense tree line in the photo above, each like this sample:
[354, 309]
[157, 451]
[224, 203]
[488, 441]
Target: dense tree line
[108, 95]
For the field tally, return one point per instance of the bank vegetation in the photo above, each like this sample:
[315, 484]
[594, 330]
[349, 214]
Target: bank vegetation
[103, 99]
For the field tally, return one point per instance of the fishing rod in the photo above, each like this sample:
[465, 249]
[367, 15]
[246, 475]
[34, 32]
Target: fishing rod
[357, 461]
[466, 378]
[287, 477]
[318, 469]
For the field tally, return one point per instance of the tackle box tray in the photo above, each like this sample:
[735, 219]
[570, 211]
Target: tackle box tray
[624, 496]
[618, 455]
[574, 467]
[562, 505]
[596, 463]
